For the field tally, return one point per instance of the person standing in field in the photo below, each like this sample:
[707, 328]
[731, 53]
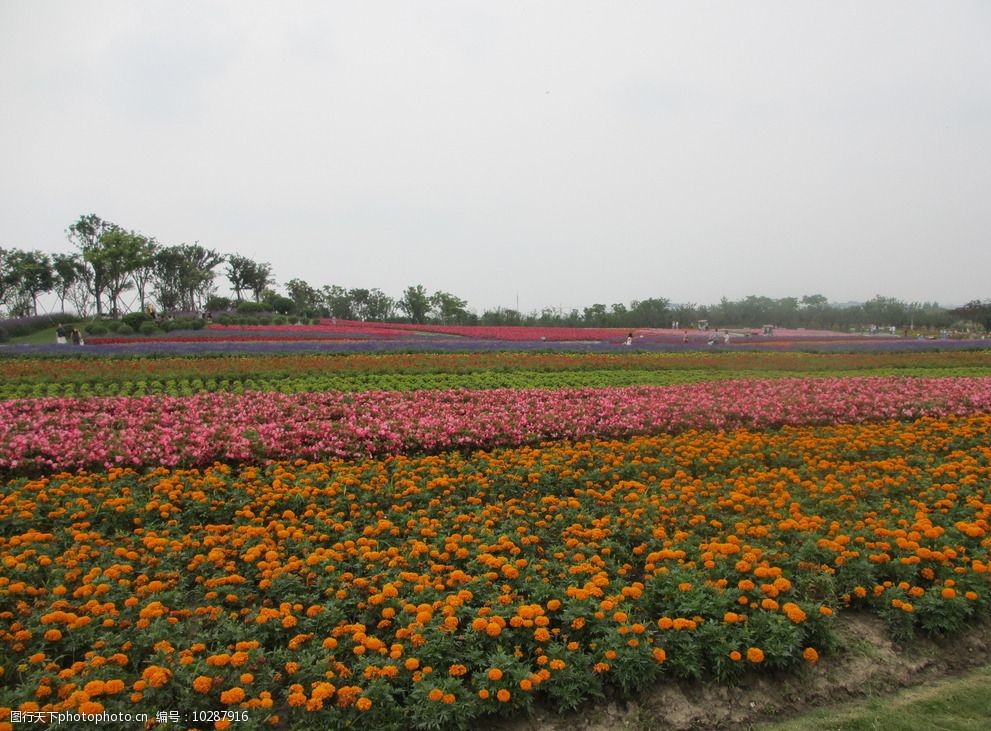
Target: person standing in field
[77, 338]
[60, 334]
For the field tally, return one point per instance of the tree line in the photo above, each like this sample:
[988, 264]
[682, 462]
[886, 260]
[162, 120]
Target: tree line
[115, 270]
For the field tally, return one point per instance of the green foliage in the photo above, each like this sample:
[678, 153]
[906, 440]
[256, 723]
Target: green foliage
[250, 308]
[134, 319]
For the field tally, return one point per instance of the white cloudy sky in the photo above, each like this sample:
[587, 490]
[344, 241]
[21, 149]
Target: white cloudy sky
[565, 152]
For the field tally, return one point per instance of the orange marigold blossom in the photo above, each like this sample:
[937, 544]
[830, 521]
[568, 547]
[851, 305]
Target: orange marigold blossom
[755, 655]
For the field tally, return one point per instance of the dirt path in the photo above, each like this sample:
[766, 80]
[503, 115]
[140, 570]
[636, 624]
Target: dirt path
[869, 664]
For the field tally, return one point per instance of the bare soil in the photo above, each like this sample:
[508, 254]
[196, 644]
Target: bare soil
[869, 664]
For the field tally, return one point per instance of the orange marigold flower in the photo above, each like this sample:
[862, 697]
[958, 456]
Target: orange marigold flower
[156, 676]
[457, 670]
[234, 695]
[112, 687]
[202, 684]
[755, 654]
[503, 695]
[810, 655]
[495, 674]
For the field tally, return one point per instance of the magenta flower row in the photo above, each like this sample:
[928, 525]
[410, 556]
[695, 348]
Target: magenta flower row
[44, 435]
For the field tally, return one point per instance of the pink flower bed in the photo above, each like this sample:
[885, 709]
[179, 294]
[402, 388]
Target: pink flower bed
[93, 433]
[326, 327]
[511, 332]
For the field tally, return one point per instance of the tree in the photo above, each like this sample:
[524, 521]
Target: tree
[652, 312]
[379, 306]
[67, 270]
[338, 302]
[415, 303]
[143, 265]
[86, 234]
[241, 272]
[259, 279]
[169, 276]
[120, 252]
[29, 273]
[977, 312]
[450, 309]
[304, 297]
[6, 286]
[359, 302]
[184, 276]
[200, 275]
[595, 316]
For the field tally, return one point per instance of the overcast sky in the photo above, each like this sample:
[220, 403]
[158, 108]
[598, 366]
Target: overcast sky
[563, 152]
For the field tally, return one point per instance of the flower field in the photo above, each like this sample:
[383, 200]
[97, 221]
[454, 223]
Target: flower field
[423, 557]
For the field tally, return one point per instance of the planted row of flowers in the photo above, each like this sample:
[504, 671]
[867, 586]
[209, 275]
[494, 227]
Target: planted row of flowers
[46, 370]
[425, 592]
[43, 435]
[432, 381]
[431, 344]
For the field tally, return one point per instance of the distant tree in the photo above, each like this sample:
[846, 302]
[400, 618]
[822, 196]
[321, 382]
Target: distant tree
[259, 279]
[885, 311]
[169, 277]
[67, 269]
[29, 273]
[278, 303]
[652, 312]
[143, 269]
[619, 315]
[337, 300]
[199, 283]
[379, 306]
[977, 312]
[814, 309]
[595, 316]
[120, 252]
[86, 234]
[500, 316]
[449, 308]
[183, 276]
[80, 292]
[415, 303]
[243, 273]
[359, 302]
[304, 297]
[6, 285]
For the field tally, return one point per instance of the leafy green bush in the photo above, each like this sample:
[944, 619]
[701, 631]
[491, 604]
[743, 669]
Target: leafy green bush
[250, 308]
[148, 328]
[134, 319]
[98, 328]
